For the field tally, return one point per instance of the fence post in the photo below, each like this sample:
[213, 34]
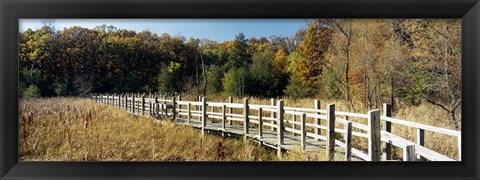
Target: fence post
[409, 153]
[204, 115]
[280, 116]
[126, 102]
[330, 146]
[174, 113]
[316, 105]
[302, 129]
[272, 114]
[260, 124]
[230, 109]
[294, 126]
[157, 109]
[120, 100]
[348, 141]
[143, 104]
[224, 118]
[420, 141]
[374, 135]
[133, 103]
[246, 121]
[189, 114]
[179, 98]
[387, 111]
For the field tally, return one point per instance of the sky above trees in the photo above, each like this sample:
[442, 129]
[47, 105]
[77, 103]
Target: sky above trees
[213, 29]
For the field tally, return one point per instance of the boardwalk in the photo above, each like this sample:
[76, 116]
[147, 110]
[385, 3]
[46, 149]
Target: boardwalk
[314, 131]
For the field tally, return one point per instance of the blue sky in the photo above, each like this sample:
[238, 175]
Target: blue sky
[213, 29]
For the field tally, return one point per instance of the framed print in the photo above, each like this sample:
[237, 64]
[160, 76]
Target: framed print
[239, 89]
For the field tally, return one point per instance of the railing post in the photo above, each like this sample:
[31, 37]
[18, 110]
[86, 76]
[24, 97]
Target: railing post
[157, 109]
[204, 115]
[174, 113]
[143, 104]
[246, 120]
[316, 105]
[179, 98]
[330, 144]
[189, 114]
[150, 108]
[374, 151]
[224, 118]
[120, 100]
[409, 153]
[348, 141]
[272, 113]
[280, 116]
[304, 133]
[387, 111]
[133, 103]
[420, 141]
[260, 124]
[294, 126]
[230, 109]
[126, 102]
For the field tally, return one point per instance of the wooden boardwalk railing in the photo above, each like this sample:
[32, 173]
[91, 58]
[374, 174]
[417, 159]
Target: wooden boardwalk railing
[270, 127]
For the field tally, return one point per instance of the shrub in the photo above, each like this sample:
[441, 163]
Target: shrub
[31, 92]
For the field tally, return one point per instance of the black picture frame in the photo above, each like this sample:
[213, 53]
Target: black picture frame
[13, 10]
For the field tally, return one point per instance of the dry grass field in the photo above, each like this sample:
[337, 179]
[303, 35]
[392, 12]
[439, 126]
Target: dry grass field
[53, 129]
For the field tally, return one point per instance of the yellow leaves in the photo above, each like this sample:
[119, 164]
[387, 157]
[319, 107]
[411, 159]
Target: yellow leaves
[173, 66]
[280, 62]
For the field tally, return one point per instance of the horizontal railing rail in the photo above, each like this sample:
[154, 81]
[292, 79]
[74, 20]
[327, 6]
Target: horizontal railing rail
[300, 124]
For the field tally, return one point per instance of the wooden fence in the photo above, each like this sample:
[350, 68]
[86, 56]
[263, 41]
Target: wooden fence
[271, 118]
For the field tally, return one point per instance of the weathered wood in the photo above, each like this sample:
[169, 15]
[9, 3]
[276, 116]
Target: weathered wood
[246, 121]
[230, 109]
[174, 112]
[304, 132]
[272, 113]
[348, 141]
[204, 115]
[387, 111]
[280, 116]
[330, 144]
[294, 119]
[420, 141]
[260, 123]
[133, 104]
[189, 115]
[409, 153]
[126, 102]
[374, 150]
[157, 109]
[317, 121]
[224, 118]
[143, 104]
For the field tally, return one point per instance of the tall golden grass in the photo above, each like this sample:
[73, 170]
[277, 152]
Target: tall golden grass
[53, 129]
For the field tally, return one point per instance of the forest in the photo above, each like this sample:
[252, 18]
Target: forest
[366, 62]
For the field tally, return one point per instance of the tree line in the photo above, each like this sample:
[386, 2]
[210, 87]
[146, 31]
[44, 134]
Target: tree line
[361, 61]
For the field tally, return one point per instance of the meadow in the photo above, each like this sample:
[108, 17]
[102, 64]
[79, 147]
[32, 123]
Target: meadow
[53, 129]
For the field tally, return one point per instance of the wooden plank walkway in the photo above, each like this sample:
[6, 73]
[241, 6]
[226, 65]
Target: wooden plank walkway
[313, 147]
[295, 133]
